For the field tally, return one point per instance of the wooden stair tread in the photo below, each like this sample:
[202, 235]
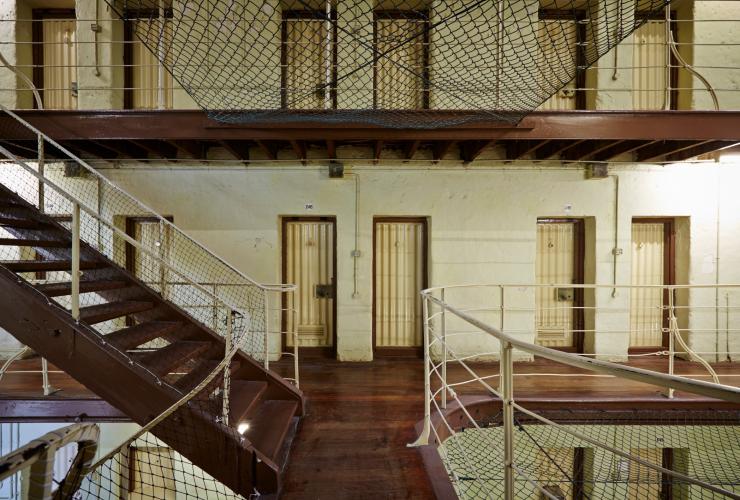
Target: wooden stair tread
[134, 336]
[20, 223]
[103, 312]
[164, 360]
[26, 242]
[65, 288]
[26, 266]
[269, 426]
[191, 379]
[243, 397]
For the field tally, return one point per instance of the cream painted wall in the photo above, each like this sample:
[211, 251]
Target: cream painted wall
[482, 227]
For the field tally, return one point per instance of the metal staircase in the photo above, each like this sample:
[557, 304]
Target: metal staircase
[141, 343]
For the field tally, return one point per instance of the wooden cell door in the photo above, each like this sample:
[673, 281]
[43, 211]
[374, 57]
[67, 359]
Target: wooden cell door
[58, 52]
[309, 261]
[153, 234]
[559, 261]
[652, 264]
[400, 272]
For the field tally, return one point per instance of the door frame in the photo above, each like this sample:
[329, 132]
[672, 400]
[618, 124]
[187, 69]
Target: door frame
[130, 230]
[669, 273]
[400, 351]
[37, 39]
[322, 352]
[579, 256]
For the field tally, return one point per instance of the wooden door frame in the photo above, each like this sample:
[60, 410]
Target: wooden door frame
[37, 43]
[579, 261]
[311, 351]
[669, 273]
[130, 229]
[400, 351]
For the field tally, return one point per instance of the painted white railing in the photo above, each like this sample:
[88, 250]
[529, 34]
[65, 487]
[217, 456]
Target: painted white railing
[458, 332]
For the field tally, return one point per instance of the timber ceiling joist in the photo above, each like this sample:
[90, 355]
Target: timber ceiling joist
[580, 136]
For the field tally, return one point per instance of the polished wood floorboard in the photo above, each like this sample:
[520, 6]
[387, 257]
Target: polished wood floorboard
[360, 416]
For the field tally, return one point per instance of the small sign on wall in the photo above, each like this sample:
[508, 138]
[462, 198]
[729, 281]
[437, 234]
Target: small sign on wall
[568, 208]
[308, 206]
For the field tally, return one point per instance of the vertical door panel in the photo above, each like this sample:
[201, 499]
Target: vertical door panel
[306, 65]
[555, 470]
[60, 63]
[649, 61]
[648, 268]
[645, 482]
[555, 264]
[398, 80]
[399, 279]
[147, 67]
[558, 44]
[309, 257]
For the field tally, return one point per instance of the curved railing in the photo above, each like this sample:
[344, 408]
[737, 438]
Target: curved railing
[509, 450]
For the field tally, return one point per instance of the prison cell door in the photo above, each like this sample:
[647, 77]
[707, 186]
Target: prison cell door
[649, 61]
[559, 261]
[644, 482]
[154, 235]
[152, 84]
[558, 41]
[399, 276]
[60, 63]
[556, 470]
[651, 265]
[309, 263]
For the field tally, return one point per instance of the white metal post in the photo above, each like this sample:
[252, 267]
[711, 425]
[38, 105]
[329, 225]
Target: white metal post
[75, 298]
[507, 392]
[444, 353]
[227, 368]
[671, 333]
[295, 348]
[267, 330]
[423, 438]
[48, 390]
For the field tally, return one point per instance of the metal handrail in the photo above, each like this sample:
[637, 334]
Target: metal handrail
[667, 381]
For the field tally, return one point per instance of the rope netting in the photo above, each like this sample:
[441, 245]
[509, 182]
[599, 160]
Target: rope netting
[392, 63]
[212, 309]
[701, 445]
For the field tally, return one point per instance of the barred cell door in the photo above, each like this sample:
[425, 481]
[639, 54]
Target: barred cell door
[652, 267]
[559, 313]
[309, 262]
[400, 270]
[59, 63]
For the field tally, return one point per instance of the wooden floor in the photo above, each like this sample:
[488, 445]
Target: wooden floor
[360, 416]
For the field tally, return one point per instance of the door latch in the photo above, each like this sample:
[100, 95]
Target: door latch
[324, 291]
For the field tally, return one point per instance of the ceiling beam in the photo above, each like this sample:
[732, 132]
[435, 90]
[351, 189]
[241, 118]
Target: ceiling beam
[299, 148]
[331, 149]
[554, 149]
[410, 148]
[564, 125]
[377, 151]
[701, 149]
[269, 148]
[125, 148]
[197, 150]
[160, 149]
[93, 148]
[470, 150]
[517, 149]
[588, 149]
[620, 148]
[238, 149]
[19, 150]
[440, 149]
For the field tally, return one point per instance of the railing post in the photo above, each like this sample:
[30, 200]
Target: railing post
[75, 297]
[671, 340]
[267, 330]
[501, 326]
[48, 390]
[423, 438]
[507, 393]
[295, 348]
[444, 353]
[227, 368]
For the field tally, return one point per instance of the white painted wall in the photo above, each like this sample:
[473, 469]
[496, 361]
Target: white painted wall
[482, 226]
